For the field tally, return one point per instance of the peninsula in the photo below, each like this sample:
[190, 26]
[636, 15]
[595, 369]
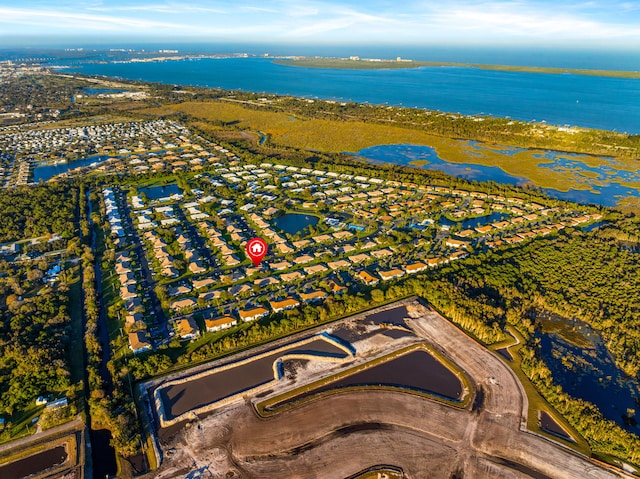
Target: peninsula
[356, 63]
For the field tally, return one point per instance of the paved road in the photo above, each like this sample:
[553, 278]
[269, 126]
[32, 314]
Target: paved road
[160, 321]
[73, 426]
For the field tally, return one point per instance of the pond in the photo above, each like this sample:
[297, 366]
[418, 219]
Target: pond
[293, 223]
[160, 192]
[45, 172]
[102, 453]
[209, 388]
[34, 464]
[416, 370]
[471, 223]
[581, 364]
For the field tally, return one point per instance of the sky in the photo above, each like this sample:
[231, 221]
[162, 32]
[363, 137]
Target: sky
[598, 23]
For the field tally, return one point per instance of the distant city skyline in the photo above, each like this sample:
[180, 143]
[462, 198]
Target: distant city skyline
[597, 23]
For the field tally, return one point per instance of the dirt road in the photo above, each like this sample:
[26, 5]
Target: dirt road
[339, 435]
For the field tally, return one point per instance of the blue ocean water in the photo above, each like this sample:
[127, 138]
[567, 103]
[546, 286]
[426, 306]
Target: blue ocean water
[565, 99]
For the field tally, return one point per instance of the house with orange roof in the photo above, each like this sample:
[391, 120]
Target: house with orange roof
[458, 255]
[139, 342]
[220, 323]
[415, 268]
[367, 278]
[282, 305]
[456, 243]
[336, 288]
[433, 262]
[390, 274]
[187, 328]
[252, 314]
[483, 229]
[312, 296]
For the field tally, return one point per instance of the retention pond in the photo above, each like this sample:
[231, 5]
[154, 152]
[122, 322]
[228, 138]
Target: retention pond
[210, 388]
[416, 370]
[34, 464]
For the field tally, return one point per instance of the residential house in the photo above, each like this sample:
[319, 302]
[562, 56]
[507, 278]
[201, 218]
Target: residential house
[367, 278]
[139, 342]
[312, 296]
[217, 324]
[183, 303]
[187, 328]
[415, 268]
[315, 269]
[288, 303]
[390, 274]
[252, 314]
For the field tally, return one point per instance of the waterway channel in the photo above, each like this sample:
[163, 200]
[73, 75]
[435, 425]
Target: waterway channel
[102, 453]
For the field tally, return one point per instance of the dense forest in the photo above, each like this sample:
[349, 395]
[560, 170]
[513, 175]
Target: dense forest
[34, 335]
[587, 276]
[34, 211]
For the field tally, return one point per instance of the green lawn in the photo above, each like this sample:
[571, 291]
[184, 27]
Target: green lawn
[19, 425]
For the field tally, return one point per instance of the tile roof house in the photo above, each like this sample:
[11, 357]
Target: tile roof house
[252, 314]
[139, 342]
[217, 324]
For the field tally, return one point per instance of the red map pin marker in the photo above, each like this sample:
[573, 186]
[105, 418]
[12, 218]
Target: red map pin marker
[256, 249]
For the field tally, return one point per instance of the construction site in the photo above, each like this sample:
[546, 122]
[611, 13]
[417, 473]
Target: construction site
[397, 389]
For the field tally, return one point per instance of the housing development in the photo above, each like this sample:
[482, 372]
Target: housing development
[140, 339]
[194, 239]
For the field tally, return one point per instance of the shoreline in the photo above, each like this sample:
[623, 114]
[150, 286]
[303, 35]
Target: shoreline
[375, 64]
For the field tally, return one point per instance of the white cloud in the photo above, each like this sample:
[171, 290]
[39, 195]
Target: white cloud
[335, 20]
[520, 20]
[60, 19]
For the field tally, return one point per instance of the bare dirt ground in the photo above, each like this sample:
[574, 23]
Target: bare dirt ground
[339, 435]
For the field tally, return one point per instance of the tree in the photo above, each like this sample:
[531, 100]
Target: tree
[377, 296]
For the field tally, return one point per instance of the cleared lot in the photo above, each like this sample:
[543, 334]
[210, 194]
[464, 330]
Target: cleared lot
[342, 434]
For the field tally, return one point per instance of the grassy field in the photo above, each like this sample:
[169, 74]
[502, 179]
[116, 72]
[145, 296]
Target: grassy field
[20, 424]
[344, 63]
[352, 136]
